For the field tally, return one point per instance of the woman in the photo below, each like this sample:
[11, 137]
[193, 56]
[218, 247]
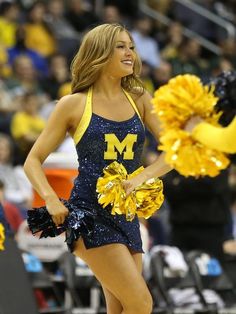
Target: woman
[106, 123]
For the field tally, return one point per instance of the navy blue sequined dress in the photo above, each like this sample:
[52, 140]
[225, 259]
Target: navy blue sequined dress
[99, 142]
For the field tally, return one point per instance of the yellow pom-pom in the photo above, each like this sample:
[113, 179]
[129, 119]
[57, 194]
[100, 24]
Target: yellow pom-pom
[2, 236]
[175, 103]
[143, 201]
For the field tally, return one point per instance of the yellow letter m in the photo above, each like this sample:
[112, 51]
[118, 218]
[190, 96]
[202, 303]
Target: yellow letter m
[125, 146]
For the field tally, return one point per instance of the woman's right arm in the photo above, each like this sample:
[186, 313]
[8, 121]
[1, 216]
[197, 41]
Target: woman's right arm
[59, 123]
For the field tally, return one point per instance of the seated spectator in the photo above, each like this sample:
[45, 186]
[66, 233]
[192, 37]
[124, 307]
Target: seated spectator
[39, 62]
[38, 35]
[146, 46]
[58, 75]
[79, 16]
[17, 188]
[111, 14]
[189, 59]
[68, 39]
[27, 124]
[172, 41]
[128, 9]
[9, 14]
[24, 77]
[7, 107]
[162, 74]
[146, 77]
[5, 69]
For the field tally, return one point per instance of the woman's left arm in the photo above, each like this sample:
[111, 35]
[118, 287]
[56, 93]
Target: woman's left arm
[158, 168]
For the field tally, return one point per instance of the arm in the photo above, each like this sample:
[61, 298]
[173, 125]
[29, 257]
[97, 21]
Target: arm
[220, 138]
[60, 121]
[158, 167]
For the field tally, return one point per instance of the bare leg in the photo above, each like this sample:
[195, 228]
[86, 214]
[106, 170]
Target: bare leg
[113, 304]
[116, 268]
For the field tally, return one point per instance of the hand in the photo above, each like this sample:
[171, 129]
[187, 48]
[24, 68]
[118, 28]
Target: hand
[57, 210]
[192, 122]
[131, 184]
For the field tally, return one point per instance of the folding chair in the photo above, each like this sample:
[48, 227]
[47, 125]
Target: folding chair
[167, 287]
[209, 273]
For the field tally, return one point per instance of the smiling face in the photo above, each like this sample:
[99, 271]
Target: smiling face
[121, 62]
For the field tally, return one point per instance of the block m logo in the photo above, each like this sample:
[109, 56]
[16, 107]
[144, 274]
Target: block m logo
[125, 146]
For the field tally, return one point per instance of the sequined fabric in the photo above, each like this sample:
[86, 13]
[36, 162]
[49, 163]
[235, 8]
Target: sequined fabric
[90, 149]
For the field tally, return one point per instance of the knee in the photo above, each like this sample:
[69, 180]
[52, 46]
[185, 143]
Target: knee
[143, 304]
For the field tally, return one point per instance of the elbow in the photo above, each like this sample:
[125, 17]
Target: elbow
[29, 163]
[26, 165]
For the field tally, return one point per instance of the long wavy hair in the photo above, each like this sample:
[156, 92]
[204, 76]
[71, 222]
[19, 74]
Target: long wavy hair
[94, 53]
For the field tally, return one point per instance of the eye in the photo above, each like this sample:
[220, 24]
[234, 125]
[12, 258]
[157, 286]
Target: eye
[120, 46]
[131, 48]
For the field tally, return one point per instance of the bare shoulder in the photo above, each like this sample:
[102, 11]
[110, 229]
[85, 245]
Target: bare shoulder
[142, 100]
[71, 107]
[71, 102]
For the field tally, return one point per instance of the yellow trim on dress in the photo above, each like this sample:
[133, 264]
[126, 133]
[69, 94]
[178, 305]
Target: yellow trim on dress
[85, 120]
[133, 105]
[87, 114]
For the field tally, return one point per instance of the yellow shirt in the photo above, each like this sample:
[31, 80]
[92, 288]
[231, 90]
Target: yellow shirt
[220, 138]
[7, 33]
[23, 123]
[40, 40]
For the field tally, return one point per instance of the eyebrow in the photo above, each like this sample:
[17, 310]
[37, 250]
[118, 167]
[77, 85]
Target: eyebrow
[124, 42]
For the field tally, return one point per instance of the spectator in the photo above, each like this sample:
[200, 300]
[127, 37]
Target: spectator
[67, 37]
[26, 124]
[188, 59]
[172, 41]
[7, 108]
[24, 77]
[79, 16]
[162, 74]
[9, 14]
[229, 50]
[17, 189]
[111, 14]
[39, 62]
[58, 75]
[146, 46]
[128, 9]
[38, 35]
[146, 77]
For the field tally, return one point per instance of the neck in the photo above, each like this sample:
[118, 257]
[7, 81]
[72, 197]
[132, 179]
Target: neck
[108, 86]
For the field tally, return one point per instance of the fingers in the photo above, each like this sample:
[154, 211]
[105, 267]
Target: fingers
[127, 187]
[59, 218]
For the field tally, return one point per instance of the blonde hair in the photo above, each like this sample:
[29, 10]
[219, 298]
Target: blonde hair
[94, 53]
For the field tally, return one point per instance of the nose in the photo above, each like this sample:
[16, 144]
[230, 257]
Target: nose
[128, 51]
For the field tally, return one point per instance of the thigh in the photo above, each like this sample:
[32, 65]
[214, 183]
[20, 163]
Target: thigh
[117, 269]
[113, 304]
